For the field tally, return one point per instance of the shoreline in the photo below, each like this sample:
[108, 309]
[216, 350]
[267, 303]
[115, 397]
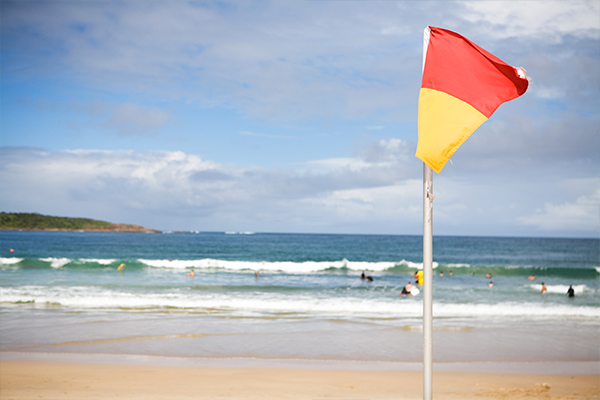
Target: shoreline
[573, 367]
[90, 380]
[109, 229]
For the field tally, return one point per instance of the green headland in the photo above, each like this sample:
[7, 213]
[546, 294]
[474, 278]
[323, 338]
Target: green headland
[39, 222]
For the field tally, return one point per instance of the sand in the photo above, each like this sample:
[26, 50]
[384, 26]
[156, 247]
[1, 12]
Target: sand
[65, 380]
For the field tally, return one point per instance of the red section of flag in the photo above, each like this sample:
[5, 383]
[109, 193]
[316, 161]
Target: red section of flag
[460, 68]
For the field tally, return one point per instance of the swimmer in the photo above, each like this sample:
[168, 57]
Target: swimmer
[369, 278]
[488, 275]
[441, 274]
[363, 276]
[531, 278]
[406, 289]
[544, 289]
[256, 274]
[491, 284]
[450, 273]
[191, 274]
[571, 291]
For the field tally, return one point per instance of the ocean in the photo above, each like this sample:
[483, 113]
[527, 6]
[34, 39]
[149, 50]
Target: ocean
[297, 296]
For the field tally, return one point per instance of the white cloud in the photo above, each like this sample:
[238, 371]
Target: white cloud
[550, 18]
[581, 215]
[167, 183]
[175, 190]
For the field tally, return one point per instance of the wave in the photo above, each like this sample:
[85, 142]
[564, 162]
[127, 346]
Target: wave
[562, 289]
[10, 260]
[56, 262]
[245, 304]
[99, 261]
[279, 266]
[402, 267]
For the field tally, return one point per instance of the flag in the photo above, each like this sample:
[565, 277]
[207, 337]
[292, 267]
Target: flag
[462, 86]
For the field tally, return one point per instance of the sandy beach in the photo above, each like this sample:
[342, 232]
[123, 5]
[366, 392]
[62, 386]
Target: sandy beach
[63, 380]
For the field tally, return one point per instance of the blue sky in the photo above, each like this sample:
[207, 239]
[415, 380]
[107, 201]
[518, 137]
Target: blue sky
[296, 116]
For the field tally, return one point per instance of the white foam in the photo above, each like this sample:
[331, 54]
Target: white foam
[459, 265]
[56, 262]
[10, 260]
[513, 310]
[245, 303]
[562, 289]
[280, 266]
[100, 261]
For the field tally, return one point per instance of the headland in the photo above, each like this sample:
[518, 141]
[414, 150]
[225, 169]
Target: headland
[39, 222]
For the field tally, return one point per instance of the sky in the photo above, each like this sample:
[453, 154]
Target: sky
[295, 116]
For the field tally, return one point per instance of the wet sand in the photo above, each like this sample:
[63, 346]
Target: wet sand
[67, 380]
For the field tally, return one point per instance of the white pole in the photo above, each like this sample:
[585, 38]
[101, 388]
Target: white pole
[427, 283]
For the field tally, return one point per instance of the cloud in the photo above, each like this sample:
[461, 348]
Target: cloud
[550, 18]
[268, 60]
[374, 192]
[512, 142]
[292, 61]
[581, 215]
[287, 70]
[119, 183]
[131, 119]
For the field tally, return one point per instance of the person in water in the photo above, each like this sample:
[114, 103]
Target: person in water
[407, 289]
[571, 291]
[363, 276]
[544, 289]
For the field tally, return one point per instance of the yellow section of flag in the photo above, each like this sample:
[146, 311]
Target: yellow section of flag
[445, 122]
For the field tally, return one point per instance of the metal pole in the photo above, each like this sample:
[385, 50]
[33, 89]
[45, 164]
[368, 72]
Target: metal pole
[427, 283]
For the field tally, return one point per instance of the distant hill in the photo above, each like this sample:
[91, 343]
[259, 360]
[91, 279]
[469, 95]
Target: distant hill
[38, 222]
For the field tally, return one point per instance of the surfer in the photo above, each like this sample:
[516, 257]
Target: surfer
[419, 278]
[369, 278]
[407, 289]
[363, 276]
[544, 289]
[571, 291]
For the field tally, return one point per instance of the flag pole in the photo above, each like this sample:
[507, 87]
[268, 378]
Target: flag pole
[427, 282]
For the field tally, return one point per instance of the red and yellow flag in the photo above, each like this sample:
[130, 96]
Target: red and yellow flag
[462, 87]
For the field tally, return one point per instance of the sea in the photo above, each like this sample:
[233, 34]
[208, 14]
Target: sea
[272, 296]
